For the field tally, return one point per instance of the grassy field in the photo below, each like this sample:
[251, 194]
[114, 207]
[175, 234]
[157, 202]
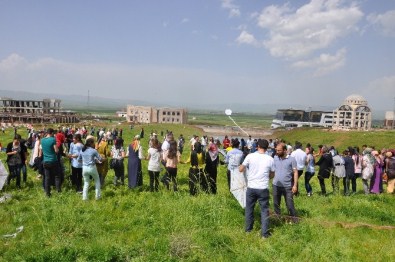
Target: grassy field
[136, 225]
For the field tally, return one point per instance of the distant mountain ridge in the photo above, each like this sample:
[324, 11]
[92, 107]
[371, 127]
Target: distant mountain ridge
[96, 102]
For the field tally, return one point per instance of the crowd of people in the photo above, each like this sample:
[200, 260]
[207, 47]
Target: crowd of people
[91, 153]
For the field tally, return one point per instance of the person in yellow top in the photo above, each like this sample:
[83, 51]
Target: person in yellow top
[105, 153]
[196, 171]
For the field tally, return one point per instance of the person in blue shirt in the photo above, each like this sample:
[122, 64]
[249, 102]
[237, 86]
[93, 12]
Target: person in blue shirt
[90, 157]
[76, 166]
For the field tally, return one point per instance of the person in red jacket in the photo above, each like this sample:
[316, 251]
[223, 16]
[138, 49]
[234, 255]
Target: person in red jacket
[226, 142]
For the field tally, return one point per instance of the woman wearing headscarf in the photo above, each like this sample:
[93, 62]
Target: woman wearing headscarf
[196, 172]
[376, 180]
[135, 154]
[105, 153]
[212, 161]
[367, 168]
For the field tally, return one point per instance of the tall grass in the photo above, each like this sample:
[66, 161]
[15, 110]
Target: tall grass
[137, 225]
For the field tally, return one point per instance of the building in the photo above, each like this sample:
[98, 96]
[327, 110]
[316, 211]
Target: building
[290, 118]
[34, 111]
[149, 114]
[389, 121]
[354, 113]
[121, 114]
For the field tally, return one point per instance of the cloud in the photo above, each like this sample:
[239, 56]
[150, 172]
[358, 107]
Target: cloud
[384, 86]
[247, 38]
[295, 34]
[324, 64]
[185, 20]
[234, 10]
[11, 62]
[385, 23]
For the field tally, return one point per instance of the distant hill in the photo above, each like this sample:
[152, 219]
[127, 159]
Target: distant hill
[80, 102]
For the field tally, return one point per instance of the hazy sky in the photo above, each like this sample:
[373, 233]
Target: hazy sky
[202, 51]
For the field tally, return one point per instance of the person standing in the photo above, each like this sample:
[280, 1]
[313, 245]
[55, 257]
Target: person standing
[76, 166]
[260, 167]
[24, 155]
[118, 153]
[154, 157]
[105, 153]
[196, 172]
[89, 157]
[310, 170]
[181, 142]
[349, 165]
[357, 167]
[171, 158]
[135, 154]
[339, 172]
[367, 168]
[300, 157]
[233, 160]
[285, 171]
[326, 165]
[49, 151]
[390, 170]
[14, 161]
[211, 168]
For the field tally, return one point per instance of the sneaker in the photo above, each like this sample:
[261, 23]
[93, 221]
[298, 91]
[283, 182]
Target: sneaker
[309, 194]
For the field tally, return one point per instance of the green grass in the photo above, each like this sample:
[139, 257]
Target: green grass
[136, 225]
[244, 120]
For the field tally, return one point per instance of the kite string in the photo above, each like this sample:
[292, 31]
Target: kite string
[238, 125]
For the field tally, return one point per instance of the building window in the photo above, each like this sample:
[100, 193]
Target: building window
[178, 113]
[173, 113]
[164, 112]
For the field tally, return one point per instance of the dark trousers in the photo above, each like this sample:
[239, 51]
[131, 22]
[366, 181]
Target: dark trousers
[119, 174]
[171, 176]
[52, 172]
[212, 182]
[278, 192]
[196, 178]
[228, 177]
[153, 180]
[76, 178]
[24, 172]
[322, 184]
[262, 196]
[354, 182]
[15, 172]
[307, 177]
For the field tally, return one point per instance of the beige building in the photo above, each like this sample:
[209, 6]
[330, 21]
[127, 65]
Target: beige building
[389, 121]
[354, 113]
[149, 114]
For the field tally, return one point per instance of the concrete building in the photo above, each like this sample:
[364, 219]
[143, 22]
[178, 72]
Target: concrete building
[34, 111]
[149, 114]
[354, 113]
[389, 121]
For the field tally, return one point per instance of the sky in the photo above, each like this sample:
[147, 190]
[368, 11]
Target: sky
[202, 51]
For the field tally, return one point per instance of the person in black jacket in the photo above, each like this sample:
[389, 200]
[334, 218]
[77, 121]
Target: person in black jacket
[212, 161]
[326, 164]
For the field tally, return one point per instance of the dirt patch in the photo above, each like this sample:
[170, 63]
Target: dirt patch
[235, 131]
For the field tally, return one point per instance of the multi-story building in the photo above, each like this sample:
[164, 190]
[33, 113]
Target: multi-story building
[389, 121]
[34, 111]
[149, 114]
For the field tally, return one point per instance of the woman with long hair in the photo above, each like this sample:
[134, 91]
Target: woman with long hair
[154, 157]
[171, 158]
[196, 172]
[310, 170]
[105, 153]
[90, 157]
[76, 166]
[135, 154]
[357, 157]
[326, 165]
[118, 153]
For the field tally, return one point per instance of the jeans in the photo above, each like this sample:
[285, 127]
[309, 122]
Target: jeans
[153, 180]
[262, 196]
[289, 200]
[307, 177]
[87, 172]
[15, 172]
[51, 172]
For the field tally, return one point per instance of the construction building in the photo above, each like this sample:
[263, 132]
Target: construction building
[389, 121]
[354, 114]
[149, 114]
[34, 112]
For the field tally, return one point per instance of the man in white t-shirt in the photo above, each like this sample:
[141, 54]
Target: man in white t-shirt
[260, 168]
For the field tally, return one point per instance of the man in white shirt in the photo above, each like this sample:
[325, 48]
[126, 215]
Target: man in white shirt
[300, 157]
[260, 168]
